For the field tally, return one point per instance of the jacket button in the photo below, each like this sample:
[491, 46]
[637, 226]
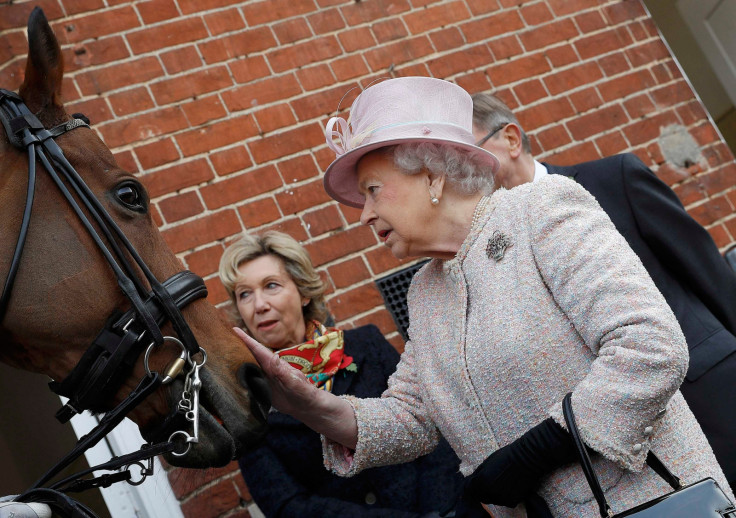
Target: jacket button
[636, 448]
[648, 431]
[661, 413]
[370, 498]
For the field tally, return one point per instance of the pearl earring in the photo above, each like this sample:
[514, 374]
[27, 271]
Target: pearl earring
[433, 199]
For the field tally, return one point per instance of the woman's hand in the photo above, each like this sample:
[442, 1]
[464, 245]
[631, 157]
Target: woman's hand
[292, 394]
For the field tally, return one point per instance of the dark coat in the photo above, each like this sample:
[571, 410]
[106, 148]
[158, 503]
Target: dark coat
[696, 281]
[287, 478]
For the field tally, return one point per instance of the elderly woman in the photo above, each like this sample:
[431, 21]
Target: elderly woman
[531, 294]
[280, 299]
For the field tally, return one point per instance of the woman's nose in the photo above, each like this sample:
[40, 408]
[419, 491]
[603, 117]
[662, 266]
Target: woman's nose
[367, 216]
[260, 302]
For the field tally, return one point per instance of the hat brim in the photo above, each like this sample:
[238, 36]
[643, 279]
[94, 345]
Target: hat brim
[341, 177]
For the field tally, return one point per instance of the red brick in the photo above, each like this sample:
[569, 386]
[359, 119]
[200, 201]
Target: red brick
[184, 481]
[204, 109]
[603, 42]
[572, 78]
[671, 174]
[142, 127]
[262, 92]
[721, 236]
[705, 134]
[563, 7]
[291, 226]
[625, 85]
[259, 212]
[364, 12]
[548, 112]
[322, 220]
[246, 70]
[131, 101]
[237, 45]
[647, 53]
[291, 30]
[240, 187]
[596, 122]
[274, 117]
[258, 13]
[96, 52]
[181, 59]
[561, 55]
[341, 244]
[619, 12]
[549, 34]
[398, 52]
[670, 95]
[212, 501]
[159, 152]
[586, 99]
[553, 138]
[158, 220]
[311, 51]
[242, 490]
[96, 110]
[193, 6]
[14, 14]
[167, 35]
[298, 168]
[231, 160]
[102, 80]
[153, 11]
[303, 197]
[648, 129]
[522, 67]
[691, 112]
[380, 318]
[191, 85]
[485, 28]
[380, 259]
[612, 143]
[436, 16]
[224, 21]
[96, 25]
[530, 91]
[574, 155]
[536, 14]
[286, 143]
[328, 20]
[389, 30]
[315, 77]
[180, 206]
[474, 82]
[14, 44]
[201, 231]
[348, 272]
[355, 301]
[503, 48]
[177, 177]
[690, 192]
[460, 61]
[639, 106]
[349, 67]
[614, 64]
[126, 161]
[590, 21]
[219, 134]
[447, 39]
[481, 6]
[711, 211]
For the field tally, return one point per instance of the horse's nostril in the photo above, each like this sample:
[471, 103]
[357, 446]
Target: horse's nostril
[251, 377]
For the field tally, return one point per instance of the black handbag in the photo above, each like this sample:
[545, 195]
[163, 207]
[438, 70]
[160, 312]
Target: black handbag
[703, 499]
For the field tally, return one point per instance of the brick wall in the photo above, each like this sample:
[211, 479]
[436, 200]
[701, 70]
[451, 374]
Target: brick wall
[219, 106]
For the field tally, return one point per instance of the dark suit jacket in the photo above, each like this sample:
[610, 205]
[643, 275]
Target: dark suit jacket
[287, 478]
[696, 281]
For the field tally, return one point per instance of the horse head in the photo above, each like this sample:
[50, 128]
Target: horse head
[65, 292]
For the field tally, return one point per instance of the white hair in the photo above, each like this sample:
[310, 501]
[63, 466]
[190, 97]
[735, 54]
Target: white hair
[467, 174]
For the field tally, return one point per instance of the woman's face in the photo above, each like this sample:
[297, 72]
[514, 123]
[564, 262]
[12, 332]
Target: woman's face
[269, 302]
[397, 205]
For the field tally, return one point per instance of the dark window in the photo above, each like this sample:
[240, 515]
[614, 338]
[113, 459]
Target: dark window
[393, 289]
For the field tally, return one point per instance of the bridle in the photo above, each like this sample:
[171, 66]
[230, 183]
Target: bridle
[110, 359]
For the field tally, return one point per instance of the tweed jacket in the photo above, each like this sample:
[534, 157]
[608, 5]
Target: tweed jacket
[544, 297]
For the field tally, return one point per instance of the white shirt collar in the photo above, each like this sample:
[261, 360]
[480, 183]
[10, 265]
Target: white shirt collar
[539, 171]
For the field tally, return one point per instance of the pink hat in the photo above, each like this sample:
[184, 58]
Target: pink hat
[398, 111]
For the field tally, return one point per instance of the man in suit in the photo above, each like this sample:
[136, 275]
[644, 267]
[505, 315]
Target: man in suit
[678, 253]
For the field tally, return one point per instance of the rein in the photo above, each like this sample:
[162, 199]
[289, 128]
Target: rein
[110, 359]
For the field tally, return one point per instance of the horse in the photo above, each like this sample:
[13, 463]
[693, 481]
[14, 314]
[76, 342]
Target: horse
[66, 285]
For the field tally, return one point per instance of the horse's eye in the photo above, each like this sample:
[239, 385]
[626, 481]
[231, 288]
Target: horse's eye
[131, 197]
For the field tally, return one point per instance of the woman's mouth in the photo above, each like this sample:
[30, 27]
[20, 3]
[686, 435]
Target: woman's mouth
[267, 325]
[383, 234]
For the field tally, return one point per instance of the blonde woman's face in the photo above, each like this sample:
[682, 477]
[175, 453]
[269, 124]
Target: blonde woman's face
[269, 302]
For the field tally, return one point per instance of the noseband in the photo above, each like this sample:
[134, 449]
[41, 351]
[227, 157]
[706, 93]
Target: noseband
[111, 357]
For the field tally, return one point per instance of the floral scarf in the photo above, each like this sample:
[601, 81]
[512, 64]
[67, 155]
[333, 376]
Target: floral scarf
[320, 357]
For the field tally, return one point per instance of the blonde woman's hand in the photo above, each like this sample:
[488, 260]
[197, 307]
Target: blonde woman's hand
[292, 394]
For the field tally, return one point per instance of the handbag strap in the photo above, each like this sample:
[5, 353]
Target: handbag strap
[587, 466]
[585, 463]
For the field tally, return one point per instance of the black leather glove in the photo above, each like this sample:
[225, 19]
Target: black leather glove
[513, 472]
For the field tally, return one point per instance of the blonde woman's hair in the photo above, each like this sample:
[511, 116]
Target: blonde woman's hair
[296, 261]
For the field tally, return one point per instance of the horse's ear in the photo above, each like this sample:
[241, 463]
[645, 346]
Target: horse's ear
[41, 86]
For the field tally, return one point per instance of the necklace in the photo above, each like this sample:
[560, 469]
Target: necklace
[479, 211]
